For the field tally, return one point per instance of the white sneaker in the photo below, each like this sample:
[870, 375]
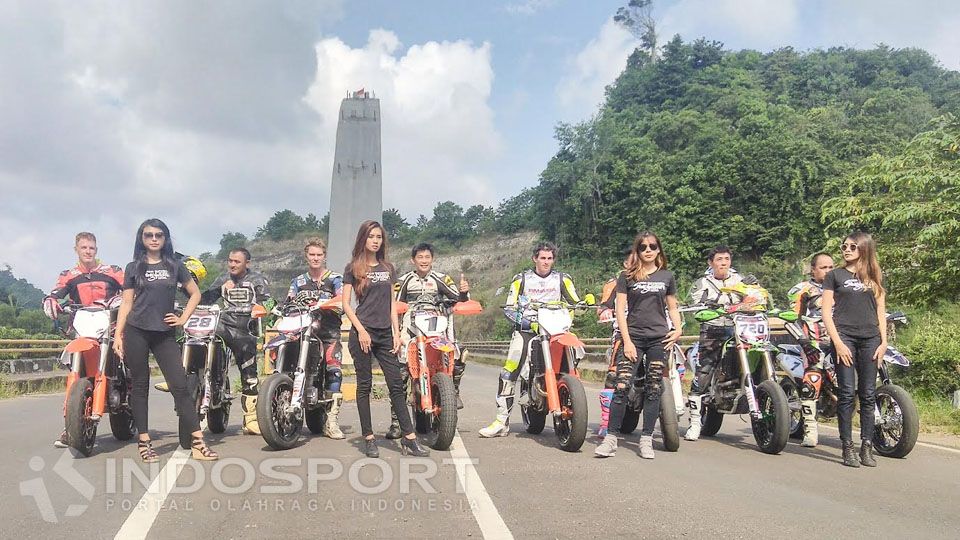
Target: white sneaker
[496, 429]
[646, 447]
[693, 432]
[608, 448]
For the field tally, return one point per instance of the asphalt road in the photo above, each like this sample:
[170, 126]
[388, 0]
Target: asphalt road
[519, 485]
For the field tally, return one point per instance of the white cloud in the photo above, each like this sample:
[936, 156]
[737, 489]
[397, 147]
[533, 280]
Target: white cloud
[528, 7]
[437, 125]
[598, 64]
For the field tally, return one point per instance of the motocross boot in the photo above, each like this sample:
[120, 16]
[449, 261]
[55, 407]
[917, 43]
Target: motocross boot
[810, 434]
[693, 432]
[496, 429]
[849, 455]
[459, 366]
[249, 406]
[866, 454]
[332, 427]
[61, 441]
[608, 448]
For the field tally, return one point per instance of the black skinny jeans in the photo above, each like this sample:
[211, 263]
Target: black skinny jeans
[863, 375]
[652, 352]
[137, 345]
[381, 341]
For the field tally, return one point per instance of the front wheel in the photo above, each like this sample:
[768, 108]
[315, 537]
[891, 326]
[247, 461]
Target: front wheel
[898, 422]
[571, 425]
[279, 428]
[772, 429]
[444, 422]
[669, 425]
[81, 429]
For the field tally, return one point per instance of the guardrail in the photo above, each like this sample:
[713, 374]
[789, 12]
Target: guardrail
[53, 346]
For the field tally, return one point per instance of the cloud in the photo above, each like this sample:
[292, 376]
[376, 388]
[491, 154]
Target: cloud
[763, 24]
[437, 125]
[581, 90]
[528, 7]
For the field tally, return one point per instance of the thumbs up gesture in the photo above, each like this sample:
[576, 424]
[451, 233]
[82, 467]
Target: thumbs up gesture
[464, 285]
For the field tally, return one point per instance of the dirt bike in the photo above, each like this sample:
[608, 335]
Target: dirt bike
[293, 393]
[553, 382]
[430, 362]
[897, 419]
[671, 401]
[206, 361]
[98, 383]
[745, 381]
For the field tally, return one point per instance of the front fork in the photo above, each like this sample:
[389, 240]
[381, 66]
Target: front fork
[301, 377]
[426, 400]
[767, 373]
[549, 377]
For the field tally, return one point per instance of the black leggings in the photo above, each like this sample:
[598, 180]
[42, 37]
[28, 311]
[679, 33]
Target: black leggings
[654, 355]
[137, 344]
[863, 374]
[381, 341]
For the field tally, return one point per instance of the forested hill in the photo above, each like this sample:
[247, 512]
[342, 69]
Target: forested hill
[18, 291]
[707, 146]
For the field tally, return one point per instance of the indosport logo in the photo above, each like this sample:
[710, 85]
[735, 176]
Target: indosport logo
[37, 488]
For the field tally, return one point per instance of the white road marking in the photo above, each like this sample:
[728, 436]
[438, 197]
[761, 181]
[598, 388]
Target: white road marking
[488, 518]
[141, 519]
[919, 443]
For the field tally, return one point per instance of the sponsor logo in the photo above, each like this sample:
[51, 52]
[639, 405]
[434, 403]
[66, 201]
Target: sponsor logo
[854, 284]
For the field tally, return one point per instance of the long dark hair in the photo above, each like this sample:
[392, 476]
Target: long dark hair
[358, 265]
[867, 267]
[634, 264]
[140, 251]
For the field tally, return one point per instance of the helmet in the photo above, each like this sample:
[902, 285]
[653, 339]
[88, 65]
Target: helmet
[196, 268]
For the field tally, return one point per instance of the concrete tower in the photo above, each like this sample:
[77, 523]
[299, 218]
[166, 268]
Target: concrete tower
[356, 190]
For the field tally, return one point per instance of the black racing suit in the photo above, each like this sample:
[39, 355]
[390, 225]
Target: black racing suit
[249, 289]
[327, 329]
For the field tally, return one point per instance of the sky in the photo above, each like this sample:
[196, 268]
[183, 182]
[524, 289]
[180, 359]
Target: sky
[214, 115]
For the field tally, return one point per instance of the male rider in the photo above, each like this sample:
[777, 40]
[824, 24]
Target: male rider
[806, 299]
[424, 284]
[540, 284]
[240, 288]
[708, 289]
[326, 284]
[88, 282]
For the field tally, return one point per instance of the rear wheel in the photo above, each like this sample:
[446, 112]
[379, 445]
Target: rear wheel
[571, 425]
[793, 401]
[711, 420]
[669, 425]
[195, 391]
[444, 422]
[631, 419]
[279, 428]
[315, 419]
[81, 429]
[122, 424]
[533, 419]
[898, 422]
[772, 429]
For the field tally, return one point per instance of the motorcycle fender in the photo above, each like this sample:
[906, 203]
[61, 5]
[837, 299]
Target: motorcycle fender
[276, 342]
[792, 364]
[893, 356]
[567, 340]
[81, 344]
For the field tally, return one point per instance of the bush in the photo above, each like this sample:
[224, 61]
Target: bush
[932, 342]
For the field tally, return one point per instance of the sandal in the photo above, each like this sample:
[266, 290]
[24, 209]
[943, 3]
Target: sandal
[201, 451]
[147, 453]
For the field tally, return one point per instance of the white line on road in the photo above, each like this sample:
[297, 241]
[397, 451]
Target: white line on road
[919, 443]
[141, 519]
[484, 511]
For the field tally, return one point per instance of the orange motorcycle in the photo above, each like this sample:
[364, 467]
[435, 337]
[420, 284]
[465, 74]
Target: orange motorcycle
[430, 360]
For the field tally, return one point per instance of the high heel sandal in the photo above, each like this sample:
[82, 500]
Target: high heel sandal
[201, 452]
[147, 453]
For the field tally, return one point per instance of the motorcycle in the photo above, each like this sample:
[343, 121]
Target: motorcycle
[896, 416]
[293, 393]
[206, 361]
[98, 383]
[671, 401]
[745, 382]
[553, 382]
[430, 363]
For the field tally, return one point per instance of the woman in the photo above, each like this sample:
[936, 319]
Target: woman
[375, 333]
[146, 323]
[646, 291]
[854, 312]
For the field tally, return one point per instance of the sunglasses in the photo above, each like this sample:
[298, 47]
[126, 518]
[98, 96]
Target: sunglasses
[643, 247]
[848, 247]
[153, 236]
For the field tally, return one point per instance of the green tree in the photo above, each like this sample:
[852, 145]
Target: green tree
[397, 227]
[282, 225]
[228, 242]
[911, 204]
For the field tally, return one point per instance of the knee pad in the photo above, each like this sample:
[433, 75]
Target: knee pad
[810, 387]
[505, 387]
[250, 385]
[333, 355]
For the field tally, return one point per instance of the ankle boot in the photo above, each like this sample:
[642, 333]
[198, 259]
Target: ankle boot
[413, 447]
[866, 454]
[849, 455]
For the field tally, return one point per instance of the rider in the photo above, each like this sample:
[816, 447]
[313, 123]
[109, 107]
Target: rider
[88, 282]
[425, 284]
[540, 284]
[806, 297]
[240, 289]
[327, 284]
[708, 289]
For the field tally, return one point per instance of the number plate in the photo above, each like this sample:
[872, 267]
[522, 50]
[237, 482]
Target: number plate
[201, 324]
[752, 328]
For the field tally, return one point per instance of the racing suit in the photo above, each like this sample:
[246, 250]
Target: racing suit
[530, 287]
[806, 297]
[248, 289]
[327, 332]
[83, 287]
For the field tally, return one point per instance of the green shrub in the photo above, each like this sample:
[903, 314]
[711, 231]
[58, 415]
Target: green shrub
[932, 342]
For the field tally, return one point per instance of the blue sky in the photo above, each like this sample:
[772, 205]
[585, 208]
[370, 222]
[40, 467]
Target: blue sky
[214, 115]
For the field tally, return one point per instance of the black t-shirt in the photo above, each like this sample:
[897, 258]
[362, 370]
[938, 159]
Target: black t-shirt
[647, 303]
[155, 300]
[855, 306]
[373, 306]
